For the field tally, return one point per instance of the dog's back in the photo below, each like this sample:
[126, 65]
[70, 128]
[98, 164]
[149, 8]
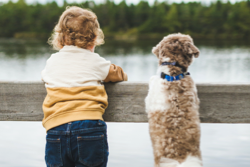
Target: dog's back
[174, 122]
[173, 112]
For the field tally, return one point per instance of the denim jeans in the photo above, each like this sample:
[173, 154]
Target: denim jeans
[77, 144]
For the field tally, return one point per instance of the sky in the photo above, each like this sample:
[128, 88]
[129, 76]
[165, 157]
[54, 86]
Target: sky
[60, 2]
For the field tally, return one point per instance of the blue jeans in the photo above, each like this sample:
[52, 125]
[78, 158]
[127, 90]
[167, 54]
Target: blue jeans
[77, 144]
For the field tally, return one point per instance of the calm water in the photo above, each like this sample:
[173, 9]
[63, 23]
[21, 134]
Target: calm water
[22, 143]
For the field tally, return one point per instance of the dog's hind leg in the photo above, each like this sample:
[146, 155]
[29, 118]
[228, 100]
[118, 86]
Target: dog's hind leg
[167, 162]
[191, 161]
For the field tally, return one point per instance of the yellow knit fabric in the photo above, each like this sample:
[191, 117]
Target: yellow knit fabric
[67, 104]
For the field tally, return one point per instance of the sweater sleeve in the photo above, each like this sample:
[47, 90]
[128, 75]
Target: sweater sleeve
[116, 74]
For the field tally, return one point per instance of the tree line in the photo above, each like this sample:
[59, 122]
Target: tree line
[217, 20]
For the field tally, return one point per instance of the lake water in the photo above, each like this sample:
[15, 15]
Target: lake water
[222, 145]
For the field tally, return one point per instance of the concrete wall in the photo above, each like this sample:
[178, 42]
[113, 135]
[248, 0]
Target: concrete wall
[219, 103]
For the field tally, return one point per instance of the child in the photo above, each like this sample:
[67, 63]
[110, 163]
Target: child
[76, 99]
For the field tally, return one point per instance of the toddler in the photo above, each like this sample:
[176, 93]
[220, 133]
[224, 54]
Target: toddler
[76, 99]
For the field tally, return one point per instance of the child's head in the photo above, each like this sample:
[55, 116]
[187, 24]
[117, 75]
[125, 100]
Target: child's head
[78, 27]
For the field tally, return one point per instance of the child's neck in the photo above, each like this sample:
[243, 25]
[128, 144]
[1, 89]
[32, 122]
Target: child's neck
[91, 48]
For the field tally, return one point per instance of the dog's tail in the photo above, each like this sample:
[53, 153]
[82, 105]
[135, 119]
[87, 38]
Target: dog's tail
[190, 161]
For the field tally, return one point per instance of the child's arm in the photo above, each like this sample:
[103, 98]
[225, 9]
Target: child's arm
[116, 74]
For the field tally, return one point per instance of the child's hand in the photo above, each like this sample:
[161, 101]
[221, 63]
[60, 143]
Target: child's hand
[116, 74]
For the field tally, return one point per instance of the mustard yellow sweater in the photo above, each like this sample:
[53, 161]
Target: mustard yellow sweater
[72, 79]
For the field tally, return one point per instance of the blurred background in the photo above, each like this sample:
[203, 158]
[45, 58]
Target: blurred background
[137, 20]
[220, 29]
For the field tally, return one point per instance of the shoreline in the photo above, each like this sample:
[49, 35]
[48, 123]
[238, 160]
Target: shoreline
[128, 36]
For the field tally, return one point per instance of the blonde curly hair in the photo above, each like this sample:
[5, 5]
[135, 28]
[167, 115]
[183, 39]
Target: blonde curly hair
[77, 26]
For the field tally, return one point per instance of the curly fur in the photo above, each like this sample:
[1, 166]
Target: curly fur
[173, 107]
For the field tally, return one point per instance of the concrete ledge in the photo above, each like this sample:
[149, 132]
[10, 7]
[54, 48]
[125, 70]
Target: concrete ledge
[220, 103]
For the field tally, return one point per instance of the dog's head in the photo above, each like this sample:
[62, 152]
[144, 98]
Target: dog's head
[177, 48]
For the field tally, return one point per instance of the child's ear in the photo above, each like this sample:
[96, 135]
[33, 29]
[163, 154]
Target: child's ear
[155, 50]
[191, 49]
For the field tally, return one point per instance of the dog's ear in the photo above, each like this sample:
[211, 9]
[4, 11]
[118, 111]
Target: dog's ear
[189, 48]
[156, 50]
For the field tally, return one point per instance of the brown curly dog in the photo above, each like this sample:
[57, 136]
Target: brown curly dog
[172, 105]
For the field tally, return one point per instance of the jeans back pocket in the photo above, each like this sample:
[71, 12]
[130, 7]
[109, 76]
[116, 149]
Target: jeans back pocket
[91, 150]
[53, 156]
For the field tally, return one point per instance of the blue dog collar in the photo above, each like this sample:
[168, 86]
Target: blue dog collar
[174, 78]
[183, 69]
[168, 63]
